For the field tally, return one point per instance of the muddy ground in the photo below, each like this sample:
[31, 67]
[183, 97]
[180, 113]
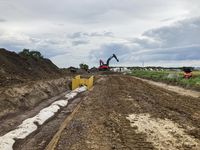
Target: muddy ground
[123, 113]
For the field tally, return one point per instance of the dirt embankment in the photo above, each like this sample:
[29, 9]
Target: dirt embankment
[25, 97]
[15, 68]
[26, 79]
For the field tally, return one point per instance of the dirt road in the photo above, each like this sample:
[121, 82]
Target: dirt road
[124, 113]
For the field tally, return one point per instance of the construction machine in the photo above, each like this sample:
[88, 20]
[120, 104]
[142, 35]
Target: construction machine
[187, 72]
[104, 66]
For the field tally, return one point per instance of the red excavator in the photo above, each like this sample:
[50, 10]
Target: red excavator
[103, 66]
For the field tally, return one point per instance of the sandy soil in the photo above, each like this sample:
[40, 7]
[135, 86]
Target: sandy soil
[123, 113]
[163, 133]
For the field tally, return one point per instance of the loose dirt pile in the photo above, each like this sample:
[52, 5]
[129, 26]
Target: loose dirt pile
[15, 68]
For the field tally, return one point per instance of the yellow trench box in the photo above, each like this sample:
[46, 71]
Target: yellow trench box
[78, 81]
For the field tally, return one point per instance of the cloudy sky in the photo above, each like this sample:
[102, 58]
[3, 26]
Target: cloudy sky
[70, 32]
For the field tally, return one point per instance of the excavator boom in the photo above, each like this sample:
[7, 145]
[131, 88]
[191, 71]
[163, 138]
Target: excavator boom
[113, 56]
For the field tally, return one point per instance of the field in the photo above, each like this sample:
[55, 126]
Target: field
[170, 77]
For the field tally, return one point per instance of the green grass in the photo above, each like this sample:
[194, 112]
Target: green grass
[177, 79]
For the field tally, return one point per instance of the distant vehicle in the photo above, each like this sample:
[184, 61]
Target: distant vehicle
[103, 66]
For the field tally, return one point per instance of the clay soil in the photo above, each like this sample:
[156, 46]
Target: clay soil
[161, 119]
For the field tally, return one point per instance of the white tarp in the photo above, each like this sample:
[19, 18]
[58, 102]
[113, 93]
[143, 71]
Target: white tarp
[28, 126]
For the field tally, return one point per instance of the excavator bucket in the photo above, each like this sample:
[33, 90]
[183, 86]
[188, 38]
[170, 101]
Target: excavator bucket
[78, 81]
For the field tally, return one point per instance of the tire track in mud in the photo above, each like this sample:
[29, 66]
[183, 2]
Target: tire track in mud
[101, 120]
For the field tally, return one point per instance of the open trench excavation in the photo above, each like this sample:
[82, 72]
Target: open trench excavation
[120, 112]
[19, 98]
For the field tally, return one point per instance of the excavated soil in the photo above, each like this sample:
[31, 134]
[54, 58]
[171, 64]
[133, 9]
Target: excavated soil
[18, 69]
[102, 121]
[20, 98]
[123, 113]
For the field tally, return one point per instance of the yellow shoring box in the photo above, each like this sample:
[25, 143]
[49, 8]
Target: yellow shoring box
[77, 82]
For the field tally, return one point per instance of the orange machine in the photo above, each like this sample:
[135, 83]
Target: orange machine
[187, 73]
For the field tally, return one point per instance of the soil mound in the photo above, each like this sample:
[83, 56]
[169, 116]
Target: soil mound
[18, 68]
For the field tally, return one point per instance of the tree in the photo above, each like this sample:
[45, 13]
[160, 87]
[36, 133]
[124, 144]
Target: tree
[84, 66]
[25, 52]
[32, 54]
[36, 54]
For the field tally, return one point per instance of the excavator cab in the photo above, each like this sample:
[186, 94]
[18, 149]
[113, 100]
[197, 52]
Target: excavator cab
[104, 66]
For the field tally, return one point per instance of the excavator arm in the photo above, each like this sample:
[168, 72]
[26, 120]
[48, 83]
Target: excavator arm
[113, 56]
[101, 62]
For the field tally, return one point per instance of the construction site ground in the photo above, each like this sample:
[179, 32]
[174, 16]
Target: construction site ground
[120, 112]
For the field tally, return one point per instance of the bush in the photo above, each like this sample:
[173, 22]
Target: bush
[84, 66]
[32, 54]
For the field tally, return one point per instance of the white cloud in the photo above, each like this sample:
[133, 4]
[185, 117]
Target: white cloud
[72, 31]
